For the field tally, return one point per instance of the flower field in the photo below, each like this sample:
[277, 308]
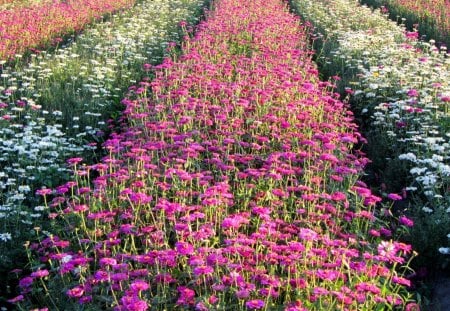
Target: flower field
[232, 183]
[41, 24]
[149, 163]
[400, 87]
[57, 106]
[430, 17]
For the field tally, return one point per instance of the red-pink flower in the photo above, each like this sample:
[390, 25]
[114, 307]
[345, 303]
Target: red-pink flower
[255, 304]
[75, 292]
[139, 285]
[394, 196]
[40, 273]
[406, 221]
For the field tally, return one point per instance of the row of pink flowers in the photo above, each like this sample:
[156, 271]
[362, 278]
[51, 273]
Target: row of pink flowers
[39, 25]
[431, 17]
[233, 184]
[438, 10]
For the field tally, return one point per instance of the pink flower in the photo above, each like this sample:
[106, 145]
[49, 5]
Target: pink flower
[412, 93]
[184, 248]
[132, 303]
[368, 287]
[139, 285]
[255, 304]
[40, 273]
[394, 196]
[406, 221]
[203, 270]
[16, 299]
[412, 307]
[243, 293]
[186, 296]
[105, 261]
[74, 161]
[44, 191]
[75, 292]
[401, 281]
[26, 282]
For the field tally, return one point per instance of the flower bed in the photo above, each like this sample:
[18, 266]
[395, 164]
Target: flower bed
[400, 87]
[9, 4]
[232, 185]
[39, 25]
[57, 107]
[430, 17]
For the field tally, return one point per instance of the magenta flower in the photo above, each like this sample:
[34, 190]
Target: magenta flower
[75, 292]
[44, 191]
[40, 273]
[107, 262]
[74, 161]
[368, 287]
[16, 299]
[243, 293]
[394, 197]
[26, 282]
[412, 307]
[184, 248]
[139, 285]
[255, 304]
[203, 270]
[412, 93]
[186, 296]
[406, 221]
[132, 303]
[401, 280]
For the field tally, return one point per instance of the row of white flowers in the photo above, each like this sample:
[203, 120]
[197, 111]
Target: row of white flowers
[402, 86]
[56, 105]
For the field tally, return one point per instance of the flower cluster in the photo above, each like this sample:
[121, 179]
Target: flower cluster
[233, 184]
[401, 87]
[56, 107]
[38, 25]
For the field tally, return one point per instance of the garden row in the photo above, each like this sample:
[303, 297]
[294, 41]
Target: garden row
[58, 106]
[9, 4]
[232, 185]
[430, 17]
[26, 27]
[399, 87]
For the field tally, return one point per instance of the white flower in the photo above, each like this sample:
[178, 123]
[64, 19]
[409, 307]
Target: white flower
[408, 156]
[418, 170]
[444, 169]
[444, 250]
[411, 188]
[24, 188]
[5, 237]
[427, 209]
